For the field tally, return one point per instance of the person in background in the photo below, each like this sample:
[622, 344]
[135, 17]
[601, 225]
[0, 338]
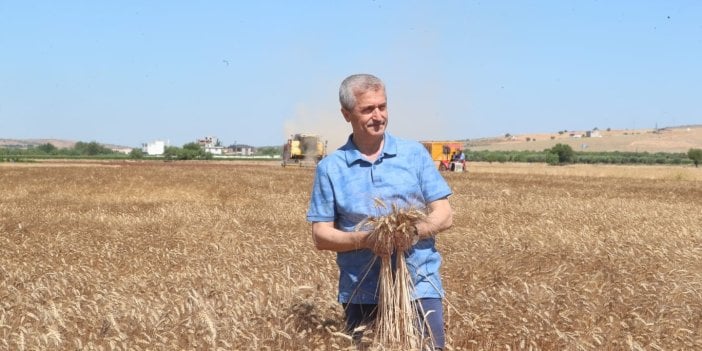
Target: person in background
[375, 165]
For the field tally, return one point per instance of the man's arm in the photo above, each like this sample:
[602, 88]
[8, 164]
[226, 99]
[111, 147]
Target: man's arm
[439, 219]
[327, 237]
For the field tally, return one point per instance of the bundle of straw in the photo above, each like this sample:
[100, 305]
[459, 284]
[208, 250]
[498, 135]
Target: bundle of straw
[397, 321]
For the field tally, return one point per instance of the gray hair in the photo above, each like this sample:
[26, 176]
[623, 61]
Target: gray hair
[354, 83]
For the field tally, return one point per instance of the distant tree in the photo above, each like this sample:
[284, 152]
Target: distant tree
[490, 157]
[695, 155]
[508, 135]
[91, 149]
[564, 152]
[192, 146]
[609, 129]
[136, 154]
[528, 139]
[560, 132]
[551, 159]
[189, 151]
[171, 152]
[47, 148]
[269, 150]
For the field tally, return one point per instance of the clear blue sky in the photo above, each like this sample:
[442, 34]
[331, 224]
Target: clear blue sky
[127, 72]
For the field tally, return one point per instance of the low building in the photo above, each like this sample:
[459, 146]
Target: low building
[593, 134]
[211, 144]
[209, 141]
[215, 150]
[123, 150]
[154, 148]
[241, 150]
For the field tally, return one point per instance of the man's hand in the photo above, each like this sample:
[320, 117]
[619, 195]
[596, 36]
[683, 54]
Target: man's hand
[380, 246]
[406, 237]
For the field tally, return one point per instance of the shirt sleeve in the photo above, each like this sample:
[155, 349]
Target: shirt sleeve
[322, 208]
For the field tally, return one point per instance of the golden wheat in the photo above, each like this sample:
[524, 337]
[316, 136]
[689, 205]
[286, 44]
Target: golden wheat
[207, 256]
[397, 323]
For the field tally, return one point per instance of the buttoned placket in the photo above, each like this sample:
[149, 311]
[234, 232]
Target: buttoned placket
[375, 177]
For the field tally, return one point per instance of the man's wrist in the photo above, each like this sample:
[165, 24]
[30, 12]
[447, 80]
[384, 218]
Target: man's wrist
[360, 240]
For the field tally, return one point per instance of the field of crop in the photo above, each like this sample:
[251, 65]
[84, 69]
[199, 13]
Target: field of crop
[218, 256]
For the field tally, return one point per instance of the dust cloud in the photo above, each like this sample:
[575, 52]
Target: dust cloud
[414, 112]
[326, 122]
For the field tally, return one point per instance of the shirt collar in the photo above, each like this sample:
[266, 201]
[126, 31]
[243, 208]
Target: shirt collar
[354, 155]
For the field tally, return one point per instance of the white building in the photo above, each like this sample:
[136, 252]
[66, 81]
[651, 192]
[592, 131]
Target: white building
[215, 150]
[241, 150]
[154, 148]
[212, 145]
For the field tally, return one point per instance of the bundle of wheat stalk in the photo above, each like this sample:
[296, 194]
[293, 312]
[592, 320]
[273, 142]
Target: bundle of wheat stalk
[397, 323]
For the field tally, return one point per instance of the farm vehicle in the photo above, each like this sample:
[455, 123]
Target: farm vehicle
[447, 155]
[304, 149]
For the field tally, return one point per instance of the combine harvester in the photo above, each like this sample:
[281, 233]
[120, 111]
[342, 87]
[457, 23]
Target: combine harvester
[444, 155]
[304, 149]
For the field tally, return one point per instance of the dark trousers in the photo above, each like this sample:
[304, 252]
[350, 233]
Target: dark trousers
[430, 310]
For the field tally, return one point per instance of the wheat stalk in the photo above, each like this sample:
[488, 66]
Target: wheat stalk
[397, 322]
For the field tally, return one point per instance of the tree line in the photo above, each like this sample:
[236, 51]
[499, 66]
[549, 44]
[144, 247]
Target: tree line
[79, 149]
[558, 154]
[564, 154]
[94, 150]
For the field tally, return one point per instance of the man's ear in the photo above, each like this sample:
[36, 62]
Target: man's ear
[347, 114]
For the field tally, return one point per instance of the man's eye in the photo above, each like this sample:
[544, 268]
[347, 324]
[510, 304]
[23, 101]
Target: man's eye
[370, 109]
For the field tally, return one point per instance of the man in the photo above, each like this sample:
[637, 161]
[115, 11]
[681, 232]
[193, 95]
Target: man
[374, 165]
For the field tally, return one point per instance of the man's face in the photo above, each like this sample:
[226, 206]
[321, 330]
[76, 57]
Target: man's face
[370, 115]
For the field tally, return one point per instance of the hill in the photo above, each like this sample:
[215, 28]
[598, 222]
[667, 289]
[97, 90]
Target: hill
[669, 139]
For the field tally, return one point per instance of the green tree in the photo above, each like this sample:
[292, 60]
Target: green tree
[269, 151]
[91, 149]
[192, 146]
[490, 157]
[695, 155]
[551, 158]
[189, 151]
[171, 152]
[564, 151]
[47, 148]
[136, 154]
[193, 151]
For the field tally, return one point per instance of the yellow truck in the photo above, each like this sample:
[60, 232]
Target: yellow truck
[446, 155]
[304, 148]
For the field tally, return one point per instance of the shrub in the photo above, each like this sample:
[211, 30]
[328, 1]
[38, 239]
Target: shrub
[564, 153]
[695, 155]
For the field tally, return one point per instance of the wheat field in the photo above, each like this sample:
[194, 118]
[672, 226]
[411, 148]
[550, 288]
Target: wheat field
[218, 256]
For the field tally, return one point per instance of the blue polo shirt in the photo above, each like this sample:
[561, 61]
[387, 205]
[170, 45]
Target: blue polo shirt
[345, 188]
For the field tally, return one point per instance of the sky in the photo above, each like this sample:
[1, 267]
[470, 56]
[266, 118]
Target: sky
[255, 72]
